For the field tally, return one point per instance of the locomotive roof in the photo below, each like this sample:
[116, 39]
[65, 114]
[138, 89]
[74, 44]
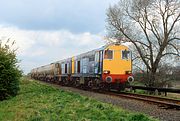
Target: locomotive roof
[81, 55]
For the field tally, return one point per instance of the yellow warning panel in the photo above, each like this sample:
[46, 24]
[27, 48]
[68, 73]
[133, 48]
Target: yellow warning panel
[73, 65]
[117, 65]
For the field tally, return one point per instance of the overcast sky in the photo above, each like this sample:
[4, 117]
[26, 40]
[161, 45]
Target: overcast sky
[50, 30]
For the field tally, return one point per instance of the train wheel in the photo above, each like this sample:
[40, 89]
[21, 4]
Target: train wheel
[66, 82]
[102, 86]
[90, 84]
[77, 83]
[96, 84]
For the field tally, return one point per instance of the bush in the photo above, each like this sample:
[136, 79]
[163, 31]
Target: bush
[9, 71]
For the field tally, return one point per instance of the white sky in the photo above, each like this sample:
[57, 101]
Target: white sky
[50, 30]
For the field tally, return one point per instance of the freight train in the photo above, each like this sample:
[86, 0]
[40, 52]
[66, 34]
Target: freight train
[104, 68]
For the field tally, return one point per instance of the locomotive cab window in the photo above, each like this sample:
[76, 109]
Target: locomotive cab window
[126, 54]
[108, 54]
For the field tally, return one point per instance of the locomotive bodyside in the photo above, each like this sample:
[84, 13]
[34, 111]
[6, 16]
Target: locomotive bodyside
[83, 64]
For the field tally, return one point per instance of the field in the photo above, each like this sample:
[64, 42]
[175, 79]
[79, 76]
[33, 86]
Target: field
[40, 102]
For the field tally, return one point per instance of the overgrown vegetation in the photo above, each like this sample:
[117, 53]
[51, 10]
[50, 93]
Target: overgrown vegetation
[165, 77]
[39, 102]
[9, 72]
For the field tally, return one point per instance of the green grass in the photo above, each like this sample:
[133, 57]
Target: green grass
[40, 102]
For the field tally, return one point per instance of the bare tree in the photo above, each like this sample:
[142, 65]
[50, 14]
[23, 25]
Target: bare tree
[152, 26]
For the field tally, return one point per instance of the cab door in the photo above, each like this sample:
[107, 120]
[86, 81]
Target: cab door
[98, 62]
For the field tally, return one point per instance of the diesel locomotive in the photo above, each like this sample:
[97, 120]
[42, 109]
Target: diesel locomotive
[104, 68]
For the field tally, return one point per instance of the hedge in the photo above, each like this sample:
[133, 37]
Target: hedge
[9, 71]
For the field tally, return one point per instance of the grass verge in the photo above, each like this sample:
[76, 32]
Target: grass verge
[40, 102]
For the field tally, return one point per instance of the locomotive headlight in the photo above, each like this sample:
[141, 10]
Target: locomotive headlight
[130, 79]
[128, 72]
[106, 72]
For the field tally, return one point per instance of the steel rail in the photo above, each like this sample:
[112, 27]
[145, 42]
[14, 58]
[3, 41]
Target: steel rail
[162, 102]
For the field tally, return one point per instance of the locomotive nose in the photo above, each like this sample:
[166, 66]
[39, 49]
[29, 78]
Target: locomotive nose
[130, 79]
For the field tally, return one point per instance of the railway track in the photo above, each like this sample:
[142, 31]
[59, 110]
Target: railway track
[165, 103]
